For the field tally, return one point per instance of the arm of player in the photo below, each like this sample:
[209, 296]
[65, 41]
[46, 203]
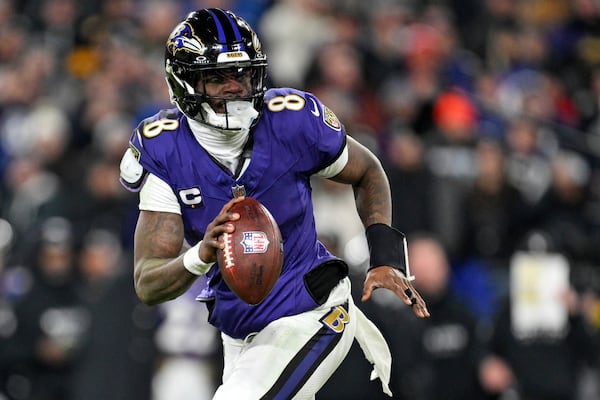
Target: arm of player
[159, 271]
[373, 199]
[159, 274]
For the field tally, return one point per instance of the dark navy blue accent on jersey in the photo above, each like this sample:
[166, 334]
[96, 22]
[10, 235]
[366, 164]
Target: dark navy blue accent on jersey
[288, 147]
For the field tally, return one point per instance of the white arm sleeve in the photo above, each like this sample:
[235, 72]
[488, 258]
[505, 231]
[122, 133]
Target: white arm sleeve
[156, 195]
[337, 166]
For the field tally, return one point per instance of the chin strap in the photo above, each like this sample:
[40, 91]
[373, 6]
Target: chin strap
[239, 116]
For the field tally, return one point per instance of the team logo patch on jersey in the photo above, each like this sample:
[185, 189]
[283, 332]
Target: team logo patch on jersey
[337, 318]
[331, 119]
[238, 190]
[255, 242]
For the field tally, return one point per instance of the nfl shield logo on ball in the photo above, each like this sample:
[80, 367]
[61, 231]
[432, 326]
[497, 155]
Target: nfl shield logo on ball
[255, 242]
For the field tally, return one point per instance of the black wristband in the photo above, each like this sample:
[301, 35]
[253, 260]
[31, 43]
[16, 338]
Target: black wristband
[386, 247]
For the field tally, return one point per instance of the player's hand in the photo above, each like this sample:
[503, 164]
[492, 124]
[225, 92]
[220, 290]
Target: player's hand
[392, 279]
[218, 226]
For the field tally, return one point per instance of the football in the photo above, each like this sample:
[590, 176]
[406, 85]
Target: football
[252, 258]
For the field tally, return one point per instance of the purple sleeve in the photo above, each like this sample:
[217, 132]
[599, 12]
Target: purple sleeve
[308, 125]
[150, 145]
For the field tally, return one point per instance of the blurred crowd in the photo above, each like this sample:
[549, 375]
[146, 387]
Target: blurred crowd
[485, 114]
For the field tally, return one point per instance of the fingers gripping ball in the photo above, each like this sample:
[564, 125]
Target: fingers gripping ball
[252, 259]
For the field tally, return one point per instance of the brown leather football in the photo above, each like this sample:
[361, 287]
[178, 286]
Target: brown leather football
[252, 258]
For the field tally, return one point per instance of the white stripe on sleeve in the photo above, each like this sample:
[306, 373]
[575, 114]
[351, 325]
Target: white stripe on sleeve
[337, 166]
[157, 195]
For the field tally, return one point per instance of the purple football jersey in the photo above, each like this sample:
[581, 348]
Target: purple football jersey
[296, 136]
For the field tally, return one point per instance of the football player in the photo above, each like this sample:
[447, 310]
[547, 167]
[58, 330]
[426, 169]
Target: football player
[229, 137]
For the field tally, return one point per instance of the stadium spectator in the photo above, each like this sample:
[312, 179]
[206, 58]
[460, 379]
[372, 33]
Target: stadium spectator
[404, 162]
[440, 356]
[116, 359]
[543, 364]
[51, 321]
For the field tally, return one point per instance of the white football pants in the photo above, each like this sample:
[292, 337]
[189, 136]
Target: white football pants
[293, 357]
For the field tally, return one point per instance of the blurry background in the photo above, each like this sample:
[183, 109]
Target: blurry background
[485, 114]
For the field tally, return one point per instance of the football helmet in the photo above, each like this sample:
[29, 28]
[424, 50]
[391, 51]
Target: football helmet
[212, 45]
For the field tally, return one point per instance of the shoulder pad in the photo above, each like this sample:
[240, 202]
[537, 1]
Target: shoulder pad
[132, 173]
